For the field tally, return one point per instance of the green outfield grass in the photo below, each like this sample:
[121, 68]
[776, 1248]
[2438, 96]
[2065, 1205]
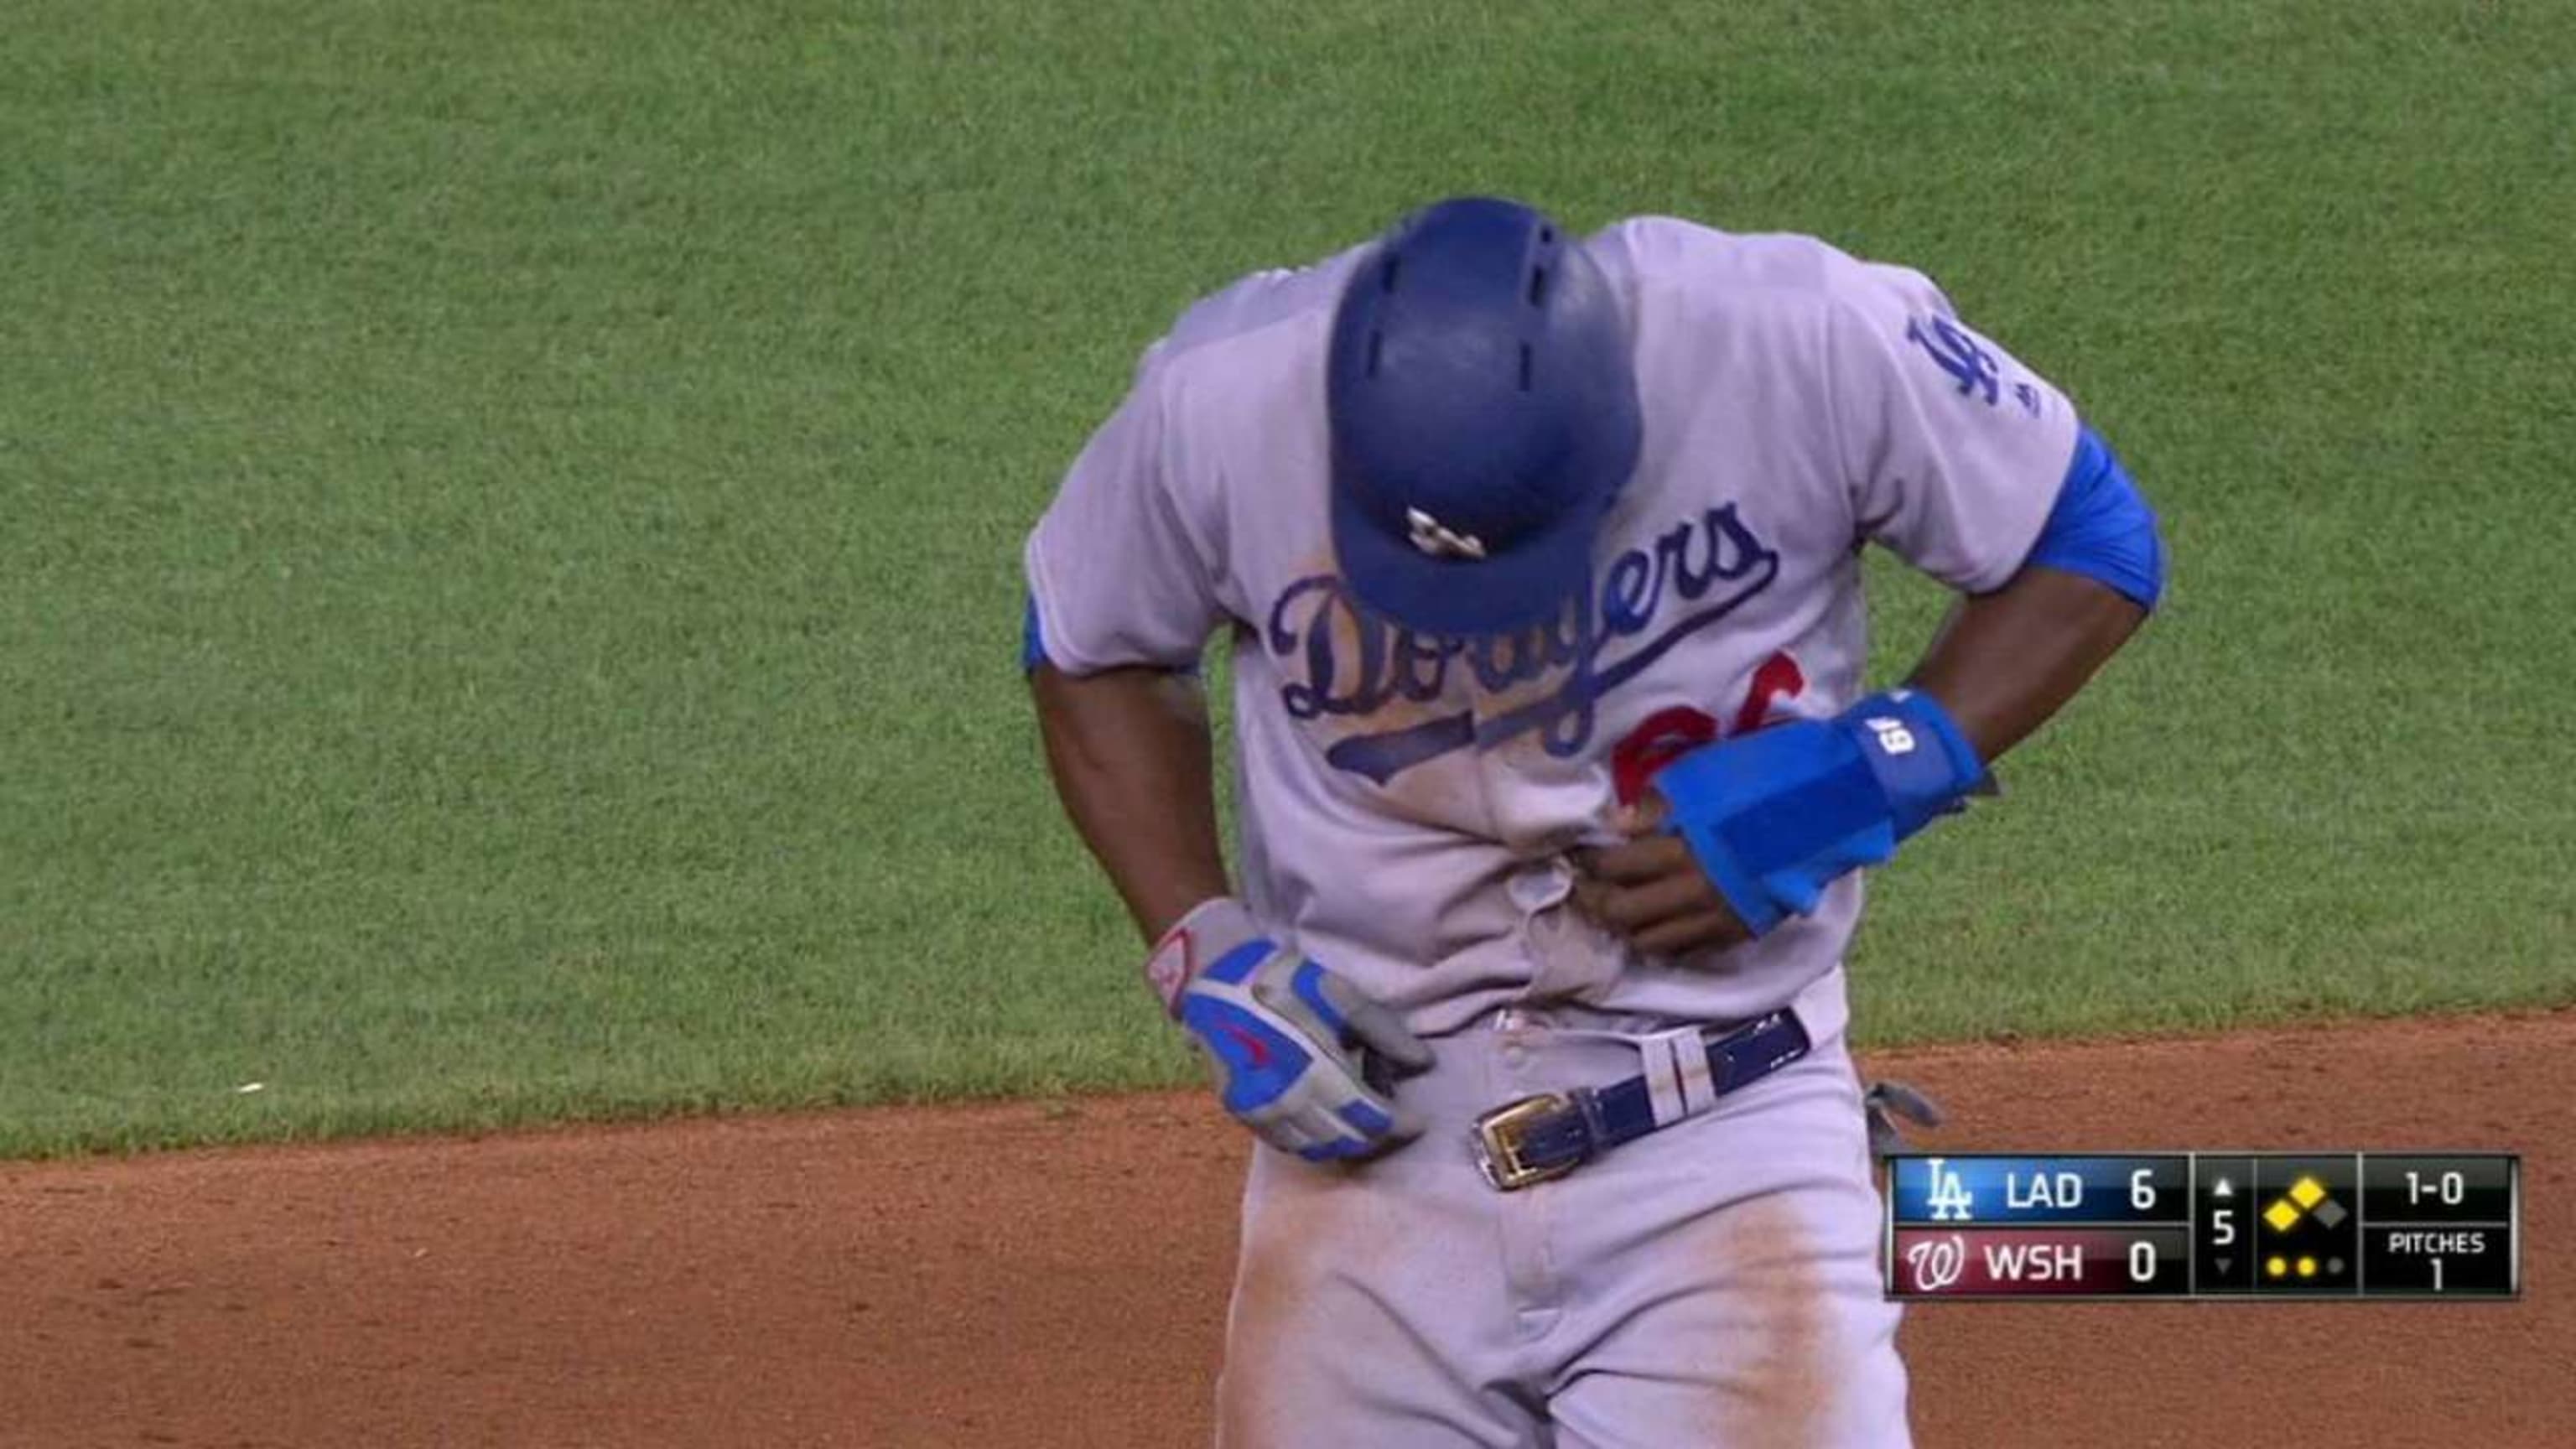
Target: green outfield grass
[509, 511]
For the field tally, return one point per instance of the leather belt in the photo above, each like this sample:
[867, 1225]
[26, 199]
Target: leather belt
[1553, 1133]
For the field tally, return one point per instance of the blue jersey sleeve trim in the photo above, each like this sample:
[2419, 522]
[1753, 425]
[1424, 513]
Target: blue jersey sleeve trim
[1033, 650]
[1032, 643]
[2102, 527]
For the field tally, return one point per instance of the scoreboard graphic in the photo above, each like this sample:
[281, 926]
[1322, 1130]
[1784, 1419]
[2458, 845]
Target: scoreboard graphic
[2242, 1225]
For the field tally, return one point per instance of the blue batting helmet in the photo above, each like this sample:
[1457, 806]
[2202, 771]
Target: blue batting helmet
[1483, 405]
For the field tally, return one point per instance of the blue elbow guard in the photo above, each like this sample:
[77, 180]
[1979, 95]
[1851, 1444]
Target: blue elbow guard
[2102, 528]
[1776, 816]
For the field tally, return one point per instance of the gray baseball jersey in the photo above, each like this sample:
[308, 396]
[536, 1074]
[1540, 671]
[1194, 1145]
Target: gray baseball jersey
[1407, 801]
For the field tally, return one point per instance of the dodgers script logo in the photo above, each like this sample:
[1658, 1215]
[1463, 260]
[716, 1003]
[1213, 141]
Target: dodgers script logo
[1340, 661]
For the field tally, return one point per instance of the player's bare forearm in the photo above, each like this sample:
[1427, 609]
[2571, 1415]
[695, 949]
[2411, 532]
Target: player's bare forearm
[2004, 662]
[1129, 752]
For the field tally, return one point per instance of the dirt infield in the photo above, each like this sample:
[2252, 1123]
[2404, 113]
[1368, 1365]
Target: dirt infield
[1055, 1273]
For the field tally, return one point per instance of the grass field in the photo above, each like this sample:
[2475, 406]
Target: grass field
[508, 511]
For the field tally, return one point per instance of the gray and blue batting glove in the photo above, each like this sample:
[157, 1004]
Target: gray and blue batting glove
[1283, 1036]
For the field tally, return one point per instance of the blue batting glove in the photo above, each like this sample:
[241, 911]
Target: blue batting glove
[1283, 1036]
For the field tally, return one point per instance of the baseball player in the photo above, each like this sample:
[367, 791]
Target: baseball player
[1540, 561]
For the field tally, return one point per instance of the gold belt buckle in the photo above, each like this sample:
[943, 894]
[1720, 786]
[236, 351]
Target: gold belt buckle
[1497, 1138]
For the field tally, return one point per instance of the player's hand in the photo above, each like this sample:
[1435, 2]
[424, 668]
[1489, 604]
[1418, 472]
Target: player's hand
[1651, 890]
[1290, 1044]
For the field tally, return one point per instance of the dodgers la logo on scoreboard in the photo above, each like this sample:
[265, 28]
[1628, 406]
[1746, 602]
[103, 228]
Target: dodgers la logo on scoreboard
[1950, 1199]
